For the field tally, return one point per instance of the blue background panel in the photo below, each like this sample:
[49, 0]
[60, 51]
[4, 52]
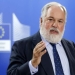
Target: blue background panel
[28, 13]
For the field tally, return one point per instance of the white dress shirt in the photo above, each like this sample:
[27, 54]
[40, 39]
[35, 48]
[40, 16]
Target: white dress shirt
[62, 55]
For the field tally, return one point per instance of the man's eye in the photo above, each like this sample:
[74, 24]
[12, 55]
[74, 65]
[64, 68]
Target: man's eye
[50, 19]
[60, 21]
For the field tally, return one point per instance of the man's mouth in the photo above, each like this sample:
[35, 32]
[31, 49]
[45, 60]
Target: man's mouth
[54, 32]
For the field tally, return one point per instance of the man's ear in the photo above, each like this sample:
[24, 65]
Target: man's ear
[41, 21]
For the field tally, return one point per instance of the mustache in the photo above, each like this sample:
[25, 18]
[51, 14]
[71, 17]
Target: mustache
[55, 29]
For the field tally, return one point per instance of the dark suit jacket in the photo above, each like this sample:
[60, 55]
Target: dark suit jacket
[22, 51]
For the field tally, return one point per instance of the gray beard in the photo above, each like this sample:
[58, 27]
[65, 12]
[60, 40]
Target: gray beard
[53, 38]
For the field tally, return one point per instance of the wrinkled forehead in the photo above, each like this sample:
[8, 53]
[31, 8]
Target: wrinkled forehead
[56, 11]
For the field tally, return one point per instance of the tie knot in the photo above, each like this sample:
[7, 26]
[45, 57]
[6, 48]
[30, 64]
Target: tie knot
[53, 44]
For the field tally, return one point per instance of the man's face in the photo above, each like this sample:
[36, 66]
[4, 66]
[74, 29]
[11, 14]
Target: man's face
[52, 25]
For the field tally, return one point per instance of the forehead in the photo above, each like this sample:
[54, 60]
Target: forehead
[56, 12]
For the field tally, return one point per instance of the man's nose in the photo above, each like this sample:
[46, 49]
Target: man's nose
[55, 24]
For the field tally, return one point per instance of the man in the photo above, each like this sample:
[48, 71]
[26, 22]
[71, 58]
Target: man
[34, 55]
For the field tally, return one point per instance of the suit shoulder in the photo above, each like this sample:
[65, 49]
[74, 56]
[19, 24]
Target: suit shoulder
[69, 42]
[28, 39]
[24, 40]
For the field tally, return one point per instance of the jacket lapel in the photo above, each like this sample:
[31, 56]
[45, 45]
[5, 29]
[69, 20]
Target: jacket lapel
[47, 65]
[45, 61]
[69, 55]
[36, 38]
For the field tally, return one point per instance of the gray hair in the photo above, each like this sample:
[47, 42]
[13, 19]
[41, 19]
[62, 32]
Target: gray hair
[48, 5]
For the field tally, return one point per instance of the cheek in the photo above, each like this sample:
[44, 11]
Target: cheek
[61, 28]
[47, 26]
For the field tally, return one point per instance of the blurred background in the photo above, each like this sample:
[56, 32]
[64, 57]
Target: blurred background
[20, 19]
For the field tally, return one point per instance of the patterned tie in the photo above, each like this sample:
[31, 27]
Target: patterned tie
[58, 66]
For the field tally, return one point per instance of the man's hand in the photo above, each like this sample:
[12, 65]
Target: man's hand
[38, 52]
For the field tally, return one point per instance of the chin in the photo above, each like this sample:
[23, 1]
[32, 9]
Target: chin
[53, 38]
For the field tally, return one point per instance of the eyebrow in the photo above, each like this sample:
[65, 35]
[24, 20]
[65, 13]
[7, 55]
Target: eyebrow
[61, 19]
[53, 18]
[50, 17]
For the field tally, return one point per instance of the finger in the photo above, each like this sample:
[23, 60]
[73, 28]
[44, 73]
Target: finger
[40, 49]
[39, 45]
[40, 42]
[43, 52]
